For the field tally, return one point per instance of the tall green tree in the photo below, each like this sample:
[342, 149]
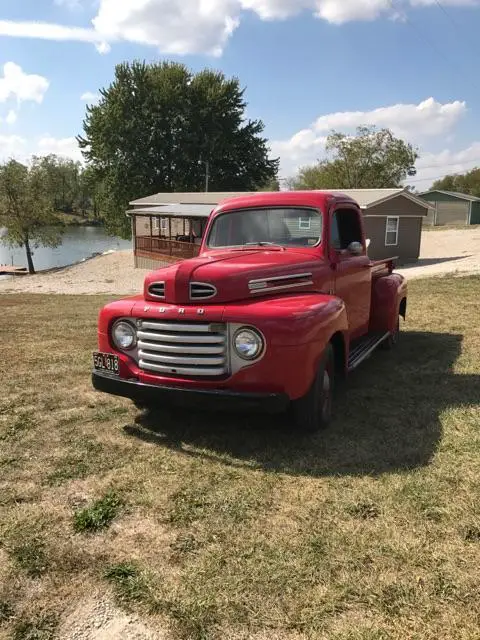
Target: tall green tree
[26, 208]
[468, 182]
[158, 127]
[372, 159]
[63, 177]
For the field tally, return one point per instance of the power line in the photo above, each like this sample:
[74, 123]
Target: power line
[449, 17]
[450, 164]
[425, 39]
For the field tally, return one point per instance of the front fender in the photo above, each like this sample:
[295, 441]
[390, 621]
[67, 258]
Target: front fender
[387, 295]
[297, 329]
[293, 320]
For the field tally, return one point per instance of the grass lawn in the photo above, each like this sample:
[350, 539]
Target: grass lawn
[234, 527]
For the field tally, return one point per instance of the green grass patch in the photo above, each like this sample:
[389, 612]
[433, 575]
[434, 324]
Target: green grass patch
[30, 555]
[41, 628]
[7, 612]
[99, 515]
[130, 582]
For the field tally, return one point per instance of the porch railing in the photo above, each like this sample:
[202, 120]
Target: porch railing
[165, 247]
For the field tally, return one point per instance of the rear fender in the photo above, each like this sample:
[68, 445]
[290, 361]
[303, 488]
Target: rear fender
[389, 295]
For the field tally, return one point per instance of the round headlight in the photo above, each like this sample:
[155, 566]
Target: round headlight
[124, 335]
[248, 343]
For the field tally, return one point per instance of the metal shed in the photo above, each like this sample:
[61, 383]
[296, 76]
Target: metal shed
[450, 207]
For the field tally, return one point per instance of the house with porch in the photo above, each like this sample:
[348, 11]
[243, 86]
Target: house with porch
[167, 227]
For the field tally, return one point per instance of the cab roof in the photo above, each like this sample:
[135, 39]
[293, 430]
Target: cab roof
[317, 199]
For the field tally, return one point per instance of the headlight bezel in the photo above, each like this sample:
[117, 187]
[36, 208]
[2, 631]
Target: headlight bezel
[260, 341]
[116, 343]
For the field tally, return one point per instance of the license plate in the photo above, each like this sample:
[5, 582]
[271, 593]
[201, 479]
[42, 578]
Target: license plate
[106, 362]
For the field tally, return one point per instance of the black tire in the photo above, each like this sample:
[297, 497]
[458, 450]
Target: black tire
[392, 340]
[313, 412]
[142, 406]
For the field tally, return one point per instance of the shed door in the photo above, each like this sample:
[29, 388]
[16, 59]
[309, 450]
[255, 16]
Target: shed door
[455, 212]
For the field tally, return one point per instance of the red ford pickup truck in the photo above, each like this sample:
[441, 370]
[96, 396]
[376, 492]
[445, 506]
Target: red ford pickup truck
[282, 303]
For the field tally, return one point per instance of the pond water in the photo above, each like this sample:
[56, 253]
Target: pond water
[78, 243]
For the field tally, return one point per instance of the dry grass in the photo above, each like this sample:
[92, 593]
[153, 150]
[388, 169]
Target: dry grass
[231, 527]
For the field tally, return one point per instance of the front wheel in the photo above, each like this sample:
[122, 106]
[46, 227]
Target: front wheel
[313, 412]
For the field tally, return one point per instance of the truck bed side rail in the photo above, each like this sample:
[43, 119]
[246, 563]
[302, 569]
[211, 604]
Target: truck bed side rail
[388, 264]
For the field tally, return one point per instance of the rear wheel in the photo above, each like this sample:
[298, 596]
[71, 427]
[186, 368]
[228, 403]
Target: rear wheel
[313, 412]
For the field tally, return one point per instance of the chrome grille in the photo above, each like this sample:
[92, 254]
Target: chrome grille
[187, 349]
[157, 290]
[202, 291]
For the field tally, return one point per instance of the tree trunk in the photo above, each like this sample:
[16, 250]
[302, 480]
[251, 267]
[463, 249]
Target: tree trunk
[31, 268]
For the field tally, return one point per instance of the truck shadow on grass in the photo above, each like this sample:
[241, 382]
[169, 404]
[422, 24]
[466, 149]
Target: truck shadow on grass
[388, 418]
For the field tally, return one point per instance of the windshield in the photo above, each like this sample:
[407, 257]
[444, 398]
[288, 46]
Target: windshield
[284, 227]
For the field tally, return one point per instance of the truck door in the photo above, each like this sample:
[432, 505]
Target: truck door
[352, 274]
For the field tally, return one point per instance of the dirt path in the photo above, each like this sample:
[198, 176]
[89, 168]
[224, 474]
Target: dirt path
[98, 619]
[447, 252]
[112, 273]
[442, 252]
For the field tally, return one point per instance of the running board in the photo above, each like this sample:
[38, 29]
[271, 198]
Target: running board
[364, 349]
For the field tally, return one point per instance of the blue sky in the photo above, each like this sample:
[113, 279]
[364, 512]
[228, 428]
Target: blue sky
[309, 66]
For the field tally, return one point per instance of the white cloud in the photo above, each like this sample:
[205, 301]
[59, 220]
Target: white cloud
[201, 26]
[90, 97]
[66, 147]
[433, 166]
[47, 31]
[71, 5]
[190, 26]
[12, 147]
[22, 86]
[11, 117]
[429, 118]
[409, 121]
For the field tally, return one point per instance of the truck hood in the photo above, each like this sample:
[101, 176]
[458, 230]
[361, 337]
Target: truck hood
[232, 275]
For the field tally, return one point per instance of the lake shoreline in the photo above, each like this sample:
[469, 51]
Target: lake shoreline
[78, 243]
[112, 273]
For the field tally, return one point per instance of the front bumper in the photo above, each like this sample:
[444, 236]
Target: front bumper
[217, 399]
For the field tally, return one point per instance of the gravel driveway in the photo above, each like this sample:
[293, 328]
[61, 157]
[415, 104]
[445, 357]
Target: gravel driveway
[446, 251]
[442, 252]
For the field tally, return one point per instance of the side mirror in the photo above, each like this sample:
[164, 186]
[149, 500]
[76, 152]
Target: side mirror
[355, 248]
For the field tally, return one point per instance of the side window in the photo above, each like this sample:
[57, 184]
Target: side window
[335, 234]
[391, 232]
[345, 229]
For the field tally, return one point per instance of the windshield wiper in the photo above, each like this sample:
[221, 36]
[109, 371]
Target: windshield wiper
[263, 244]
[260, 244]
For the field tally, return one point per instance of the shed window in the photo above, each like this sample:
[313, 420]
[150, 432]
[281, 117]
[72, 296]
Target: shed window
[391, 233]
[305, 224]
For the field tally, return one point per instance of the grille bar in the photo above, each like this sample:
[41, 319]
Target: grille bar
[184, 371]
[179, 328]
[181, 360]
[184, 349]
[179, 348]
[180, 337]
